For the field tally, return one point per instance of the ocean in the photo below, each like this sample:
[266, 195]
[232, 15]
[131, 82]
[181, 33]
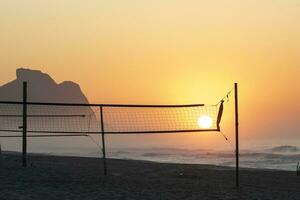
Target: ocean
[281, 157]
[278, 157]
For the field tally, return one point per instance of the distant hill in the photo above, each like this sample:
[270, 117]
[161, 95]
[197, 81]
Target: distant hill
[41, 88]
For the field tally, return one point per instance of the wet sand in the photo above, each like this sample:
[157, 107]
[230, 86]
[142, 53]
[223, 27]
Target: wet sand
[54, 177]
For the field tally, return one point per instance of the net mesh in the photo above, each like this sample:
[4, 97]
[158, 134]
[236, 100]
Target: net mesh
[136, 119]
[70, 119]
[50, 119]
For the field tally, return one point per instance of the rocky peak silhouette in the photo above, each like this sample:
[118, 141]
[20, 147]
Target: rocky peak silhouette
[42, 88]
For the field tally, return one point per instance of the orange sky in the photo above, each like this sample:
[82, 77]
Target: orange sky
[167, 51]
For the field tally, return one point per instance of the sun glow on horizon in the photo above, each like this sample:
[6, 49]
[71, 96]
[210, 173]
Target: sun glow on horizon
[205, 122]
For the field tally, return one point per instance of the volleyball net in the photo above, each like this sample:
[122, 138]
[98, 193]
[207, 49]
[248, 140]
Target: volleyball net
[38, 119]
[54, 119]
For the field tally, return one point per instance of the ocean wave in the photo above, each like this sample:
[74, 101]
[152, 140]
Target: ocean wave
[285, 149]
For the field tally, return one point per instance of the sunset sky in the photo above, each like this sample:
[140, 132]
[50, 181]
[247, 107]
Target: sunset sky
[170, 51]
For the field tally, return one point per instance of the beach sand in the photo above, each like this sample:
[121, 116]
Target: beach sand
[54, 177]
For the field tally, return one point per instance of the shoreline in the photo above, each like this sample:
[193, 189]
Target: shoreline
[141, 160]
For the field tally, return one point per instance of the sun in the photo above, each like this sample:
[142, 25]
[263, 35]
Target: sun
[205, 122]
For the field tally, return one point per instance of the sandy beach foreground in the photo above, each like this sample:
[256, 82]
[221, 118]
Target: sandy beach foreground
[54, 177]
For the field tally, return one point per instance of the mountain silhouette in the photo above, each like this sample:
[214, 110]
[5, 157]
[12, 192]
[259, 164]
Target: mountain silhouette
[41, 88]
